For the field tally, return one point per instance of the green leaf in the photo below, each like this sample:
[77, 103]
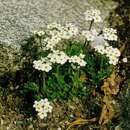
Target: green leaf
[31, 86]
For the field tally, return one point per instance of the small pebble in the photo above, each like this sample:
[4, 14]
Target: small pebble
[124, 60]
[59, 128]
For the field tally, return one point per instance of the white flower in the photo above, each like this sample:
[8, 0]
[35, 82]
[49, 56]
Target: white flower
[68, 31]
[72, 29]
[125, 60]
[57, 32]
[81, 56]
[58, 57]
[43, 65]
[42, 115]
[54, 33]
[65, 34]
[82, 63]
[39, 33]
[112, 53]
[43, 107]
[90, 35]
[98, 39]
[53, 25]
[110, 34]
[106, 44]
[100, 49]
[93, 14]
[37, 106]
[47, 108]
[78, 60]
[53, 42]
[113, 60]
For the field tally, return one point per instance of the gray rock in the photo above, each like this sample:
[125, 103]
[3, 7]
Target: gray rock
[18, 18]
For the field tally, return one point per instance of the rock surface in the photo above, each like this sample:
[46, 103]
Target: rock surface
[18, 18]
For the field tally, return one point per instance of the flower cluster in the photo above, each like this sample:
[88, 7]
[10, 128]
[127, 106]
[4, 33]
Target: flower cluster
[99, 42]
[57, 32]
[39, 33]
[90, 35]
[112, 53]
[98, 38]
[69, 31]
[78, 60]
[110, 34]
[43, 65]
[65, 32]
[93, 14]
[58, 57]
[42, 107]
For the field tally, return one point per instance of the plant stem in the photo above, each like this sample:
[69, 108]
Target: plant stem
[75, 81]
[85, 44]
[57, 74]
[90, 27]
[43, 83]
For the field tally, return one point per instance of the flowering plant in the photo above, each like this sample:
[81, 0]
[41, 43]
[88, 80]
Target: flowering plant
[65, 66]
[42, 107]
